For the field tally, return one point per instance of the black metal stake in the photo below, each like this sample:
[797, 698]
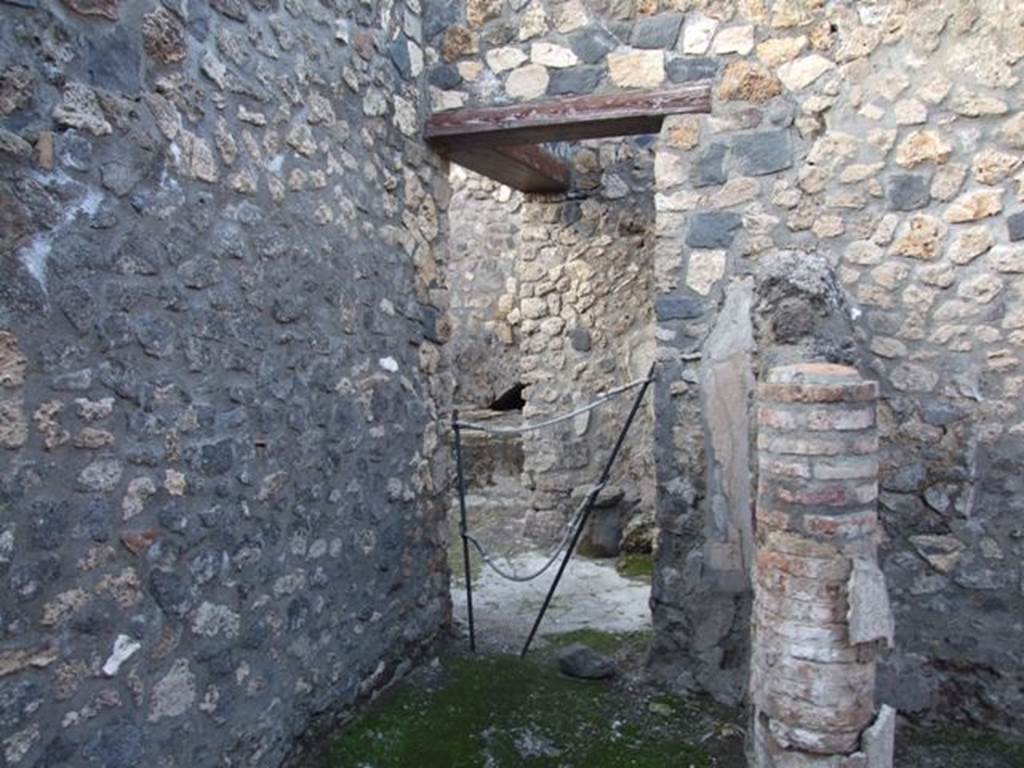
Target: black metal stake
[463, 532]
[605, 474]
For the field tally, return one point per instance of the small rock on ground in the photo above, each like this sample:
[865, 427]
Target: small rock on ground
[578, 660]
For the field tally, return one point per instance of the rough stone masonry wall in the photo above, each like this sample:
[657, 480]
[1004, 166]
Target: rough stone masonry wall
[482, 348]
[557, 294]
[858, 187]
[221, 505]
[585, 321]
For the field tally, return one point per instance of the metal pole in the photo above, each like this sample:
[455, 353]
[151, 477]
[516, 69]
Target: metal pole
[605, 474]
[462, 527]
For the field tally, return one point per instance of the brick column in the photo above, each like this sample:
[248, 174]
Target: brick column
[821, 611]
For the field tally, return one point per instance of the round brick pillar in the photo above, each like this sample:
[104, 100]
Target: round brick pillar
[820, 607]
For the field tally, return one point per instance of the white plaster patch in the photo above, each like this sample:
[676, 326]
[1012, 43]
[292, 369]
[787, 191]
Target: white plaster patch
[124, 648]
[389, 364]
[35, 254]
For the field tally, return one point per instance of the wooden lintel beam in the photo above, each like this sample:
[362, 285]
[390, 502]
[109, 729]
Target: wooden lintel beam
[579, 117]
[528, 168]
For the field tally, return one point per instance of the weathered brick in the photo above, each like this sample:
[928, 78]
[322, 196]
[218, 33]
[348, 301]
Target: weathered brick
[841, 419]
[818, 446]
[810, 685]
[851, 525]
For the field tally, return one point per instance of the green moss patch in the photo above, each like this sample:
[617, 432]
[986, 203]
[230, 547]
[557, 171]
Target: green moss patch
[954, 746]
[603, 642]
[506, 713]
[636, 566]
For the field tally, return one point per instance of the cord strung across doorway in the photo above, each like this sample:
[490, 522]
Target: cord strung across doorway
[577, 521]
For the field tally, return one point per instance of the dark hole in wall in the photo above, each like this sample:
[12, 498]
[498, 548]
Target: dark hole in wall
[509, 400]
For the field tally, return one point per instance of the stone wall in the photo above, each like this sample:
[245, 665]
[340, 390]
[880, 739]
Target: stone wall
[483, 348]
[221, 500]
[857, 186]
[556, 294]
[585, 317]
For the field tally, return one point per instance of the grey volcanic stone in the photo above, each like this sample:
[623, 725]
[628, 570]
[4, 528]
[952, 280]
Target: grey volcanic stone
[115, 61]
[686, 70]
[659, 31]
[713, 229]
[439, 15]
[580, 339]
[578, 660]
[781, 112]
[1015, 227]
[118, 745]
[761, 153]
[170, 592]
[30, 579]
[603, 533]
[709, 168]
[940, 413]
[217, 458]
[906, 478]
[444, 76]
[592, 44]
[399, 51]
[909, 191]
[574, 80]
[678, 308]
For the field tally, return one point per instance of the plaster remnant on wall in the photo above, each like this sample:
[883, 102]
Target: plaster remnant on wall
[726, 383]
[869, 616]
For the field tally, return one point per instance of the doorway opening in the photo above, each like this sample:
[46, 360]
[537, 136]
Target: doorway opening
[552, 304]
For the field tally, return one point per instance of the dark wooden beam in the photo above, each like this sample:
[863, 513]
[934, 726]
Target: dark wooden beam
[579, 117]
[527, 168]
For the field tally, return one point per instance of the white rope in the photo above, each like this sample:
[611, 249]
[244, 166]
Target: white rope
[567, 535]
[601, 398]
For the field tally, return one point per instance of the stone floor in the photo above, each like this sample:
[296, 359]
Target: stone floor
[591, 595]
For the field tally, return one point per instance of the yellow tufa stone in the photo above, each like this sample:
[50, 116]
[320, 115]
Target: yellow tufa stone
[637, 69]
[975, 205]
[746, 81]
[480, 11]
[923, 146]
[780, 50]
[682, 131]
[13, 424]
[12, 361]
[527, 82]
[970, 244]
[550, 55]
[458, 42]
[991, 166]
[797, 75]
[920, 238]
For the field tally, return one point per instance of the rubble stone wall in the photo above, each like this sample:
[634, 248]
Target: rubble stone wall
[557, 294]
[585, 318]
[221, 496]
[858, 187]
[482, 348]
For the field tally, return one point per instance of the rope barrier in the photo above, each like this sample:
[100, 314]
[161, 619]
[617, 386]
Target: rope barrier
[570, 529]
[577, 521]
[601, 398]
